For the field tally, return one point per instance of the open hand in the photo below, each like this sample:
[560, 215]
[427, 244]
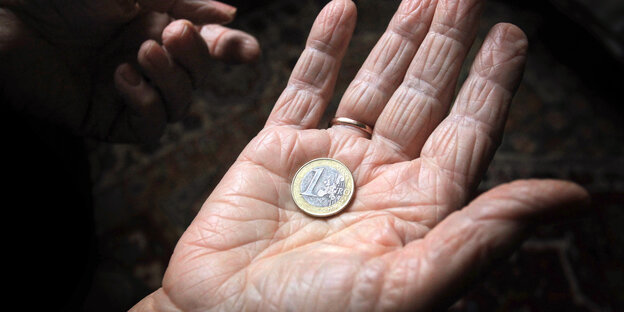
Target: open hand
[110, 69]
[406, 241]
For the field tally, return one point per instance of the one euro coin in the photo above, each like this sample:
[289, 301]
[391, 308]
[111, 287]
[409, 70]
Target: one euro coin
[322, 187]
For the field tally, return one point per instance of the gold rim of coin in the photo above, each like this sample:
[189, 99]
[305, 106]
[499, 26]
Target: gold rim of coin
[339, 204]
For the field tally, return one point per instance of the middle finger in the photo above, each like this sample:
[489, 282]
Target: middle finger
[173, 82]
[424, 97]
[182, 40]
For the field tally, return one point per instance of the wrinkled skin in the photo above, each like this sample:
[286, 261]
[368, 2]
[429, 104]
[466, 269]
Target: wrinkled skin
[405, 242]
[112, 69]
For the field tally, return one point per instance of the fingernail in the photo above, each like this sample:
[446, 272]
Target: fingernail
[130, 76]
[176, 30]
[183, 30]
[157, 57]
[228, 9]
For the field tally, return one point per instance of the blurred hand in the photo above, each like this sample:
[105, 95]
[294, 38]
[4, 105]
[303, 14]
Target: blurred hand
[116, 70]
[406, 242]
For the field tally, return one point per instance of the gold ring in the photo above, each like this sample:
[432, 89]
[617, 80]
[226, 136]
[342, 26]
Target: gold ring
[352, 123]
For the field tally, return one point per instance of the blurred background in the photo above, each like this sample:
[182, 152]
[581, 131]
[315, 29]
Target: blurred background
[565, 123]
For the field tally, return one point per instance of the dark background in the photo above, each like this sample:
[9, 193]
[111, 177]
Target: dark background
[106, 217]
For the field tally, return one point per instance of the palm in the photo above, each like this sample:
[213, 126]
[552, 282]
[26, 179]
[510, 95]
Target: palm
[396, 246]
[388, 184]
[293, 250]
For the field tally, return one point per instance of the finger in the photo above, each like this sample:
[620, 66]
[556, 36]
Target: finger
[172, 81]
[230, 45]
[313, 79]
[469, 242]
[144, 118]
[462, 146]
[423, 98]
[187, 48]
[197, 11]
[387, 63]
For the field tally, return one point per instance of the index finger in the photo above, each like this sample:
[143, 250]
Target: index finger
[196, 11]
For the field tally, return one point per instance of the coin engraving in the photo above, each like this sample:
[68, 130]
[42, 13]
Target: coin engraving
[322, 187]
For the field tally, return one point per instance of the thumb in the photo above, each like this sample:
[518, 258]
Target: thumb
[470, 241]
[156, 301]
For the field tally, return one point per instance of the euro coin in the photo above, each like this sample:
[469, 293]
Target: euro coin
[322, 187]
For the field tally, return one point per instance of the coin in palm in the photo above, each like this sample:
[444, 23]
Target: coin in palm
[322, 187]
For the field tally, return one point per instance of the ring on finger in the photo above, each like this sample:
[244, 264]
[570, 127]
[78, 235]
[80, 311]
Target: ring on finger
[344, 121]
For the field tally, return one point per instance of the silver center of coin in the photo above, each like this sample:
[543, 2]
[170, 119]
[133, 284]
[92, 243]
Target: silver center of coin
[323, 186]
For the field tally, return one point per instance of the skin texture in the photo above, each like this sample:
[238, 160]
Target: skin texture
[110, 69]
[410, 240]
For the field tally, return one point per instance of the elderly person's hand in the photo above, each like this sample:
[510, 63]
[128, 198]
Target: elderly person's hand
[407, 241]
[110, 69]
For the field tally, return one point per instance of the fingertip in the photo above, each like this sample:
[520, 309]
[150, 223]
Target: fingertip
[126, 76]
[247, 49]
[145, 48]
[335, 24]
[228, 10]
[230, 45]
[511, 37]
[544, 189]
[251, 50]
[503, 56]
[153, 57]
[338, 12]
[546, 200]
[140, 97]
[177, 33]
[352, 5]
[569, 194]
